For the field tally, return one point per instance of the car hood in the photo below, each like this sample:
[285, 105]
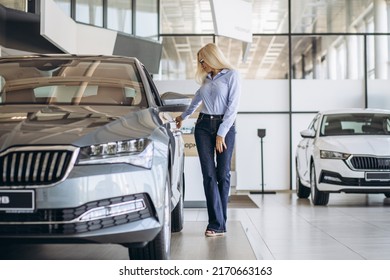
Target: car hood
[356, 144]
[71, 125]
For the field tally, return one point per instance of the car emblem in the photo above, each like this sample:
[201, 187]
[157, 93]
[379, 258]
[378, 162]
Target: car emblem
[4, 200]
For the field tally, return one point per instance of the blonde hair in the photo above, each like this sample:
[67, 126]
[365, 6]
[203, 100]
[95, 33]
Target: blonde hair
[214, 57]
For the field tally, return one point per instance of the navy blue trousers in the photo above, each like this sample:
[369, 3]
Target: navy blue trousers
[215, 169]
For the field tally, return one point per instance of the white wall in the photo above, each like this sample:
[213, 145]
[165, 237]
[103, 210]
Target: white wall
[72, 37]
[264, 96]
[275, 149]
[315, 95]
[379, 94]
[187, 87]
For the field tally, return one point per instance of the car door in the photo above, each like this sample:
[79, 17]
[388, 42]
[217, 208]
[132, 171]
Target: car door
[176, 143]
[305, 151]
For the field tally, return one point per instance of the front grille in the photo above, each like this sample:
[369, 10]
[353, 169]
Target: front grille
[370, 163]
[35, 165]
[59, 221]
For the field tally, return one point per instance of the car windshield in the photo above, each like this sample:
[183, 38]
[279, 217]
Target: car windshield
[355, 124]
[69, 81]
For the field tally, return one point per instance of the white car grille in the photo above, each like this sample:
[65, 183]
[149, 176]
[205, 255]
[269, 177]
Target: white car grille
[26, 166]
[370, 163]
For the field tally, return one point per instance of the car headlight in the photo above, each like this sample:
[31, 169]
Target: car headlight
[333, 155]
[137, 152]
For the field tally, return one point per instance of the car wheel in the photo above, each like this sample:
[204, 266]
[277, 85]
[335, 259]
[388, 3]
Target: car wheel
[302, 191]
[387, 194]
[160, 247]
[177, 215]
[318, 197]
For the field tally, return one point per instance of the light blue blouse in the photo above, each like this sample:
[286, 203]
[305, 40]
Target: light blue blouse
[220, 96]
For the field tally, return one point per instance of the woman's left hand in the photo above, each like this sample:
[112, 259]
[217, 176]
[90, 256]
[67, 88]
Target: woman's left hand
[220, 144]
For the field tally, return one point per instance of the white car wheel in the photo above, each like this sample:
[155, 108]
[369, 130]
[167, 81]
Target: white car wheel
[177, 215]
[302, 191]
[317, 197]
[167, 224]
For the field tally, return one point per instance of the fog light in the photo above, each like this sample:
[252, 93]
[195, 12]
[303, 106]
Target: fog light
[113, 210]
[332, 179]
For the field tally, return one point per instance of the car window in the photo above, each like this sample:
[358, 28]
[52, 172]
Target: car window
[314, 123]
[355, 124]
[2, 84]
[154, 91]
[71, 82]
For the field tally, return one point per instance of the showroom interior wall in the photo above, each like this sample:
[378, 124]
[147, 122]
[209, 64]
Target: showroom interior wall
[305, 56]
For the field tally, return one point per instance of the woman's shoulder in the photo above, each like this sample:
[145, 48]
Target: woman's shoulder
[233, 72]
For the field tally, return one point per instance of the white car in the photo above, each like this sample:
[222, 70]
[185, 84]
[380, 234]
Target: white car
[344, 151]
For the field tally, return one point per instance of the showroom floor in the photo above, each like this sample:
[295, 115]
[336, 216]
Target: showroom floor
[353, 226]
[281, 228]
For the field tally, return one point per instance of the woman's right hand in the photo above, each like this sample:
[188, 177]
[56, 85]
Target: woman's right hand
[178, 121]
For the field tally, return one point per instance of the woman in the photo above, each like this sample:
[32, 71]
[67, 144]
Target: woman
[215, 130]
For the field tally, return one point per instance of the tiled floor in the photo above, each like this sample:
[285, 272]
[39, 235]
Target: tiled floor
[351, 227]
[191, 244]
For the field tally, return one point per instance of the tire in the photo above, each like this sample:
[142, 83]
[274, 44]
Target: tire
[160, 247]
[177, 216]
[317, 197]
[302, 191]
[387, 194]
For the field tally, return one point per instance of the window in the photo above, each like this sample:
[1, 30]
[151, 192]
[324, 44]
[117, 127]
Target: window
[147, 19]
[350, 124]
[65, 6]
[90, 12]
[119, 16]
[12, 4]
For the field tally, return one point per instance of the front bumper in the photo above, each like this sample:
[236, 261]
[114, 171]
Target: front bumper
[62, 213]
[331, 181]
[68, 226]
[135, 234]
[336, 176]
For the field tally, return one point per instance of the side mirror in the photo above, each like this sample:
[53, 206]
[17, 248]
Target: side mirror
[174, 102]
[308, 133]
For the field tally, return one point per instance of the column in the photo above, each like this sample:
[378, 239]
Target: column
[381, 46]
[352, 57]
[352, 46]
[332, 62]
[387, 30]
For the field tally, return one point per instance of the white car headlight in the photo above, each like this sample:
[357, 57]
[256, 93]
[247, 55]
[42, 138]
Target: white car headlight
[136, 152]
[333, 155]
